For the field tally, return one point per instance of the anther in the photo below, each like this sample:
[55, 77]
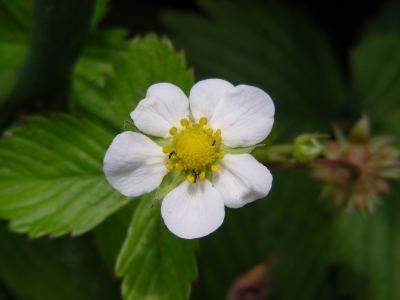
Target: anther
[174, 156]
[217, 139]
[184, 122]
[165, 149]
[196, 126]
[173, 130]
[221, 155]
[178, 167]
[214, 168]
[218, 132]
[203, 121]
[169, 166]
[190, 178]
[202, 175]
[209, 131]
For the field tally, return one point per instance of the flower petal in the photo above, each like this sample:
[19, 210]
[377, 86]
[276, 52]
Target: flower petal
[205, 95]
[241, 179]
[164, 106]
[134, 165]
[193, 210]
[245, 115]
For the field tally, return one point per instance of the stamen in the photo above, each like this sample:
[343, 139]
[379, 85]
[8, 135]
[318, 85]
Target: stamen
[169, 166]
[209, 131]
[214, 168]
[165, 149]
[221, 155]
[190, 178]
[174, 156]
[202, 175]
[184, 122]
[173, 130]
[203, 121]
[196, 126]
[178, 167]
[218, 132]
[217, 139]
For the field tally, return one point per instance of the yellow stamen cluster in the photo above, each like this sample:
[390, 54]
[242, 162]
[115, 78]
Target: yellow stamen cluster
[194, 149]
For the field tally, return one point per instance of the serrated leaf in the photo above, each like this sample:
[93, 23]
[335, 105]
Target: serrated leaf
[145, 62]
[63, 268]
[169, 182]
[269, 46]
[155, 263]
[375, 64]
[51, 178]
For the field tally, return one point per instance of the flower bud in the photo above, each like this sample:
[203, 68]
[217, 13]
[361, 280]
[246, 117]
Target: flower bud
[307, 147]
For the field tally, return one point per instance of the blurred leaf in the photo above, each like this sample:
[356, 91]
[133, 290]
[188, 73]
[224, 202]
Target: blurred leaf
[269, 46]
[369, 251]
[58, 33]
[51, 178]
[100, 9]
[376, 64]
[58, 269]
[272, 230]
[155, 263]
[109, 98]
[15, 18]
[111, 233]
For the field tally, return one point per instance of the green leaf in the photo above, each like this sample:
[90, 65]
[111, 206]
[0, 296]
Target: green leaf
[272, 47]
[369, 251]
[100, 9]
[15, 18]
[111, 233]
[170, 181]
[56, 269]
[375, 64]
[51, 178]
[145, 62]
[58, 33]
[155, 263]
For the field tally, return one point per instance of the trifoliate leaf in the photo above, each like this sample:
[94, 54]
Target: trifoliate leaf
[145, 62]
[51, 178]
[170, 181]
[155, 263]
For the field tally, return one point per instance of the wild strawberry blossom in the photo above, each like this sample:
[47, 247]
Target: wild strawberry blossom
[216, 116]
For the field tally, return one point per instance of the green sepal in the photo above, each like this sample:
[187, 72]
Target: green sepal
[159, 141]
[239, 150]
[170, 181]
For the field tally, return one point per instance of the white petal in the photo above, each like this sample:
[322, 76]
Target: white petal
[205, 95]
[241, 179]
[164, 106]
[134, 165]
[245, 116]
[193, 210]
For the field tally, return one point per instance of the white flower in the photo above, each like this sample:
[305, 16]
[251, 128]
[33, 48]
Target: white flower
[216, 113]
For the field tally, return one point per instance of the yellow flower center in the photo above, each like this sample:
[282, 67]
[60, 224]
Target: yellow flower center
[194, 149]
